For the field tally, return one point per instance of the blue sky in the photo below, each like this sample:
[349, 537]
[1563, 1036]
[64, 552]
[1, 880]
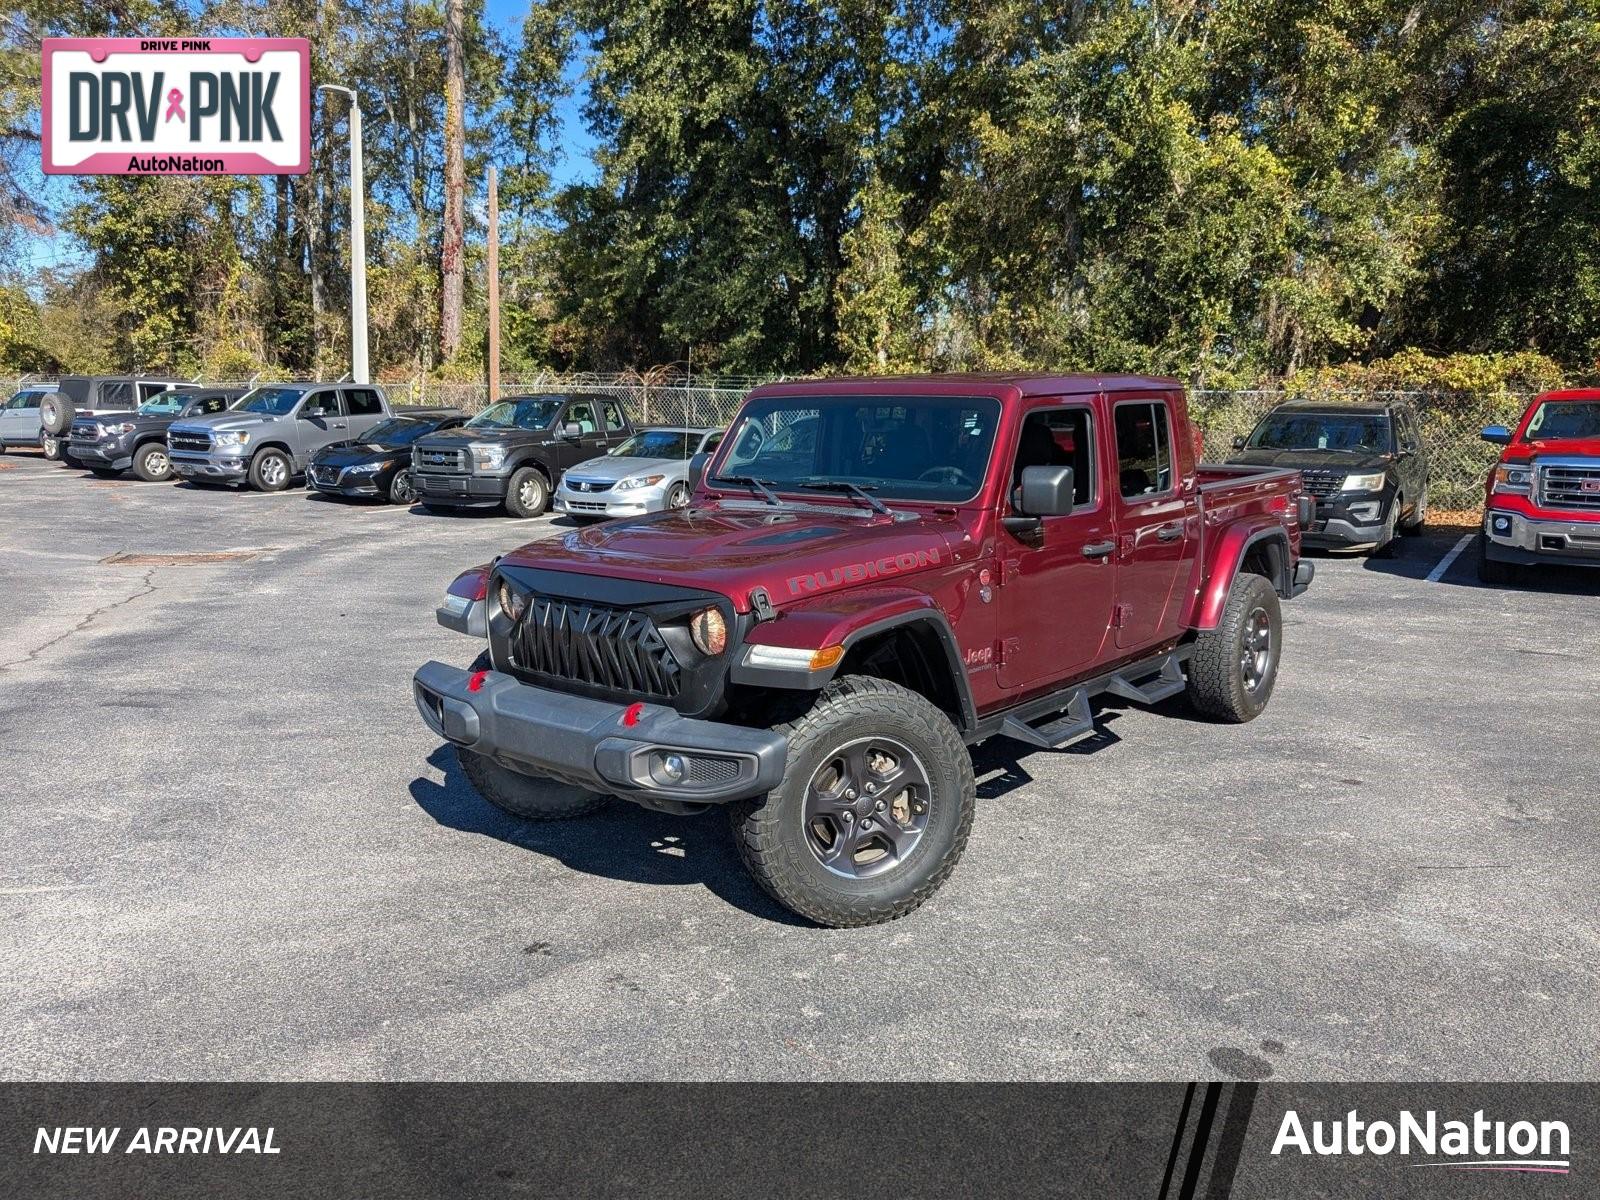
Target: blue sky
[574, 163]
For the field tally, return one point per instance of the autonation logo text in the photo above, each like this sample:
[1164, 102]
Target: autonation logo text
[1476, 1145]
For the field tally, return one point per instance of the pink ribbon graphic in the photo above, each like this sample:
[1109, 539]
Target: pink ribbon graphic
[175, 105]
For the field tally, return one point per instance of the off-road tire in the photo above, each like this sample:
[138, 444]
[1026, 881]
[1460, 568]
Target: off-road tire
[1218, 686]
[56, 413]
[54, 447]
[770, 831]
[527, 796]
[1492, 570]
[401, 489]
[537, 486]
[142, 459]
[261, 476]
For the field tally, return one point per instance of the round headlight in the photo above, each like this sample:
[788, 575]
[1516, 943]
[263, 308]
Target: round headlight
[510, 603]
[709, 630]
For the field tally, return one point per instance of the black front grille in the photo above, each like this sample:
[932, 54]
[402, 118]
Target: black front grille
[450, 462]
[84, 431]
[326, 475]
[189, 441]
[614, 648]
[1570, 485]
[1323, 484]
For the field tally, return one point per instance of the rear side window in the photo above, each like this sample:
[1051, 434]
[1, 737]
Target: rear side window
[214, 404]
[115, 394]
[613, 416]
[1059, 437]
[583, 414]
[1144, 450]
[363, 402]
[711, 443]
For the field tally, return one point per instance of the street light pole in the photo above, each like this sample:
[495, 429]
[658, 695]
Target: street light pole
[358, 242]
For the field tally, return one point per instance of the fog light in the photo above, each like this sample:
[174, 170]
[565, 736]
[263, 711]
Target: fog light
[1502, 526]
[668, 769]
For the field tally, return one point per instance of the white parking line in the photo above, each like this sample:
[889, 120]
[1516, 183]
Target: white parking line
[1444, 563]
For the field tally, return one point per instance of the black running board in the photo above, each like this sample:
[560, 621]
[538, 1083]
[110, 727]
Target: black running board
[1056, 721]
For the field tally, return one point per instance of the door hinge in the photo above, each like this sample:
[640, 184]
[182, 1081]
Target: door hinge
[1010, 650]
[1121, 614]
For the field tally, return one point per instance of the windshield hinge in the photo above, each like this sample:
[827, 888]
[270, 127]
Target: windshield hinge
[761, 603]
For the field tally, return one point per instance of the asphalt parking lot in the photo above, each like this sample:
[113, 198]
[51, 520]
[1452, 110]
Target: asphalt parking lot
[233, 851]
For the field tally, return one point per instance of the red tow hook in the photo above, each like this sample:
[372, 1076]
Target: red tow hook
[630, 715]
[475, 684]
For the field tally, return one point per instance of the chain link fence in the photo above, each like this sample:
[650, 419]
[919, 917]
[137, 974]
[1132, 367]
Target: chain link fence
[1458, 459]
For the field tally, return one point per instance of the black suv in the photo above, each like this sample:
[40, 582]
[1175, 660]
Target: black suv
[110, 443]
[378, 466]
[1363, 462]
[514, 452]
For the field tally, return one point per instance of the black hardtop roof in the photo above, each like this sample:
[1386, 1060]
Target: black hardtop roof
[1026, 382]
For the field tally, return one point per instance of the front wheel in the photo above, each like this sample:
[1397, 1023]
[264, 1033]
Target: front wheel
[678, 497]
[1234, 666]
[152, 464]
[873, 810]
[270, 471]
[527, 493]
[401, 489]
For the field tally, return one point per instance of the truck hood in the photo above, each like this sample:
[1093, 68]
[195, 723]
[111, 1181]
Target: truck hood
[457, 438]
[1309, 460]
[1554, 448]
[607, 469]
[798, 551]
[224, 421]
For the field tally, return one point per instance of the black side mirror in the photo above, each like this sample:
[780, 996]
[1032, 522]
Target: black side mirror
[1498, 434]
[572, 431]
[1238, 442]
[1043, 492]
[697, 469]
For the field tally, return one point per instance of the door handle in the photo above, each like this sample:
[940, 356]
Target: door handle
[1098, 549]
[1170, 533]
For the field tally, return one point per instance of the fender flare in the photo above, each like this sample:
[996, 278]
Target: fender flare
[921, 612]
[530, 457]
[1236, 545]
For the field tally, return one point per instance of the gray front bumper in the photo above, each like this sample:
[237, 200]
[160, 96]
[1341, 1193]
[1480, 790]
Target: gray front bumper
[1513, 537]
[193, 465]
[587, 743]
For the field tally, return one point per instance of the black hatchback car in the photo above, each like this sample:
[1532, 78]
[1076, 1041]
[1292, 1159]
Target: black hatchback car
[379, 465]
[1363, 462]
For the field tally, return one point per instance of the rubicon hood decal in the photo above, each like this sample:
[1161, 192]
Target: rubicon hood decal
[860, 572]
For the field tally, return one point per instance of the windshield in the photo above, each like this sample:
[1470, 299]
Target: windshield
[163, 404]
[516, 414]
[659, 443]
[400, 431]
[931, 448]
[1358, 432]
[273, 401]
[1566, 419]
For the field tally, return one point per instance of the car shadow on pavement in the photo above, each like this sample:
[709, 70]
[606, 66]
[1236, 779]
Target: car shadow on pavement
[622, 841]
[998, 762]
[1416, 558]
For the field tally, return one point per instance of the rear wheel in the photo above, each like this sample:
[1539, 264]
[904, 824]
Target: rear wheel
[528, 493]
[150, 463]
[401, 489]
[1234, 666]
[1418, 517]
[270, 471]
[873, 810]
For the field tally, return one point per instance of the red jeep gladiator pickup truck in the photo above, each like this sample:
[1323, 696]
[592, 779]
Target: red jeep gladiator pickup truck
[1542, 501]
[873, 575]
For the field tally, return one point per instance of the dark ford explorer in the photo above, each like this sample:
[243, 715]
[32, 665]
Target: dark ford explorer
[110, 443]
[379, 464]
[1364, 464]
[514, 452]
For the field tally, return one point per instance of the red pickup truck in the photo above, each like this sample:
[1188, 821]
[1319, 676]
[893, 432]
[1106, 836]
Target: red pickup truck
[1542, 499]
[872, 576]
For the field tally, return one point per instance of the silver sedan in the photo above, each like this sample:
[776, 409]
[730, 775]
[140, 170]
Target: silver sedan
[647, 473]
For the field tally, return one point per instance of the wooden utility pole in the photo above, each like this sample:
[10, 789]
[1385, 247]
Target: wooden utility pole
[494, 286]
[452, 270]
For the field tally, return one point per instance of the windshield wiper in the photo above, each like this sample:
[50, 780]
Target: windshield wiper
[762, 487]
[854, 490]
